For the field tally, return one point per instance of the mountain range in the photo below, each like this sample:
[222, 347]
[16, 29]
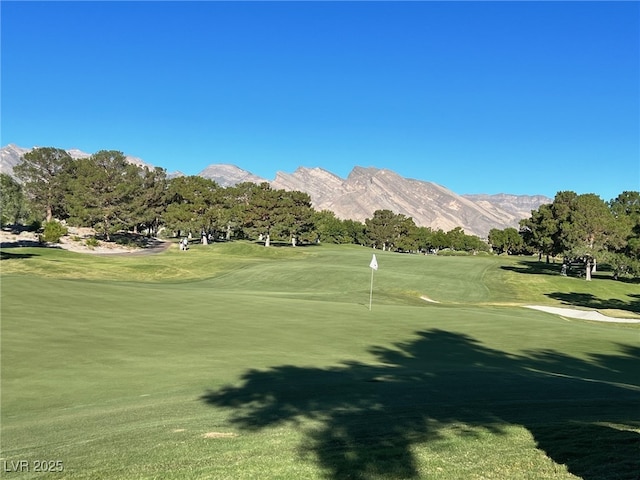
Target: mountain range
[364, 191]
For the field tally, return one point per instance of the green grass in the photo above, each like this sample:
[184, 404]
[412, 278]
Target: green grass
[236, 361]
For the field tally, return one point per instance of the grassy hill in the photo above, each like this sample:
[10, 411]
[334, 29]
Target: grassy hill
[236, 361]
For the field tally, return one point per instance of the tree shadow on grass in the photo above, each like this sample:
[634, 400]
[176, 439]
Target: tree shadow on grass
[591, 301]
[4, 255]
[369, 417]
[534, 267]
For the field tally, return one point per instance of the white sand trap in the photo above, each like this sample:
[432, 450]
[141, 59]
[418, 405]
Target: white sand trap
[427, 299]
[582, 314]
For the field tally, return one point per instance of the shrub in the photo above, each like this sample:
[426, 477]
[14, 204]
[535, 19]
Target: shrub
[92, 242]
[53, 231]
[125, 241]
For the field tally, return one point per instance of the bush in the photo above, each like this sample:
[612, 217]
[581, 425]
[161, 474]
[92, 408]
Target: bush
[125, 241]
[92, 242]
[53, 231]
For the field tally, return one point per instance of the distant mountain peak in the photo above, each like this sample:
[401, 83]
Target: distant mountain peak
[227, 175]
[11, 155]
[367, 189]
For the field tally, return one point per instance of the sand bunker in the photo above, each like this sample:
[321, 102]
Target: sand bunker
[581, 314]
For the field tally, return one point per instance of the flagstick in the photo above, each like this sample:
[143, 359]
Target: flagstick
[371, 290]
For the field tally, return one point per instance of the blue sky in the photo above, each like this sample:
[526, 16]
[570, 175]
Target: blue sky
[481, 97]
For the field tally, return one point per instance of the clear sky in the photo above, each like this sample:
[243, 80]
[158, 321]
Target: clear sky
[481, 97]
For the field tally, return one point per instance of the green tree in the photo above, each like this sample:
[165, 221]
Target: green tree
[455, 238]
[355, 232]
[407, 238]
[261, 212]
[192, 204]
[585, 232]
[382, 228]
[330, 229]
[540, 232]
[624, 245]
[277, 213]
[296, 216]
[582, 227]
[236, 200]
[102, 192]
[423, 237]
[43, 172]
[507, 241]
[150, 202]
[473, 243]
[12, 200]
[439, 240]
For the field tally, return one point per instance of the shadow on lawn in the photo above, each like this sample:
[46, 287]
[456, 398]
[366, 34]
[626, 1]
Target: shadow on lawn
[535, 268]
[4, 255]
[591, 301]
[532, 267]
[371, 416]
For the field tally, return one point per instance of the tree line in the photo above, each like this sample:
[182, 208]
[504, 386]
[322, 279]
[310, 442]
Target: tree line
[106, 192]
[583, 230]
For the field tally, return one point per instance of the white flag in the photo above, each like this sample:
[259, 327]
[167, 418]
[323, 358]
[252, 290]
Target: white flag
[374, 262]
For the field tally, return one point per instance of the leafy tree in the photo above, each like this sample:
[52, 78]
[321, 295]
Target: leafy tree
[330, 229]
[585, 227]
[585, 232]
[423, 236]
[355, 232]
[261, 212]
[277, 213]
[192, 204]
[474, 244]
[540, 232]
[150, 202]
[439, 240]
[456, 238]
[382, 229]
[296, 215]
[236, 200]
[102, 191]
[625, 244]
[506, 241]
[12, 200]
[407, 234]
[43, 173]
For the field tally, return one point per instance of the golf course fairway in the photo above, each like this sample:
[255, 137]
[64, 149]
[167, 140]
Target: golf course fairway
[236, 361]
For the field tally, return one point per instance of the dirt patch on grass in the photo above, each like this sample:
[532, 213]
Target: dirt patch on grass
[219, 435]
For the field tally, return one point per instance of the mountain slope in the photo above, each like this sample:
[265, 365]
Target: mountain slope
[227, 175]
[11, 155]
[366, 190]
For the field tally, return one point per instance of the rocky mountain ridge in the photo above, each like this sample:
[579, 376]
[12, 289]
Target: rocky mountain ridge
[11, 155]
[365, 190]
[429, 204]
